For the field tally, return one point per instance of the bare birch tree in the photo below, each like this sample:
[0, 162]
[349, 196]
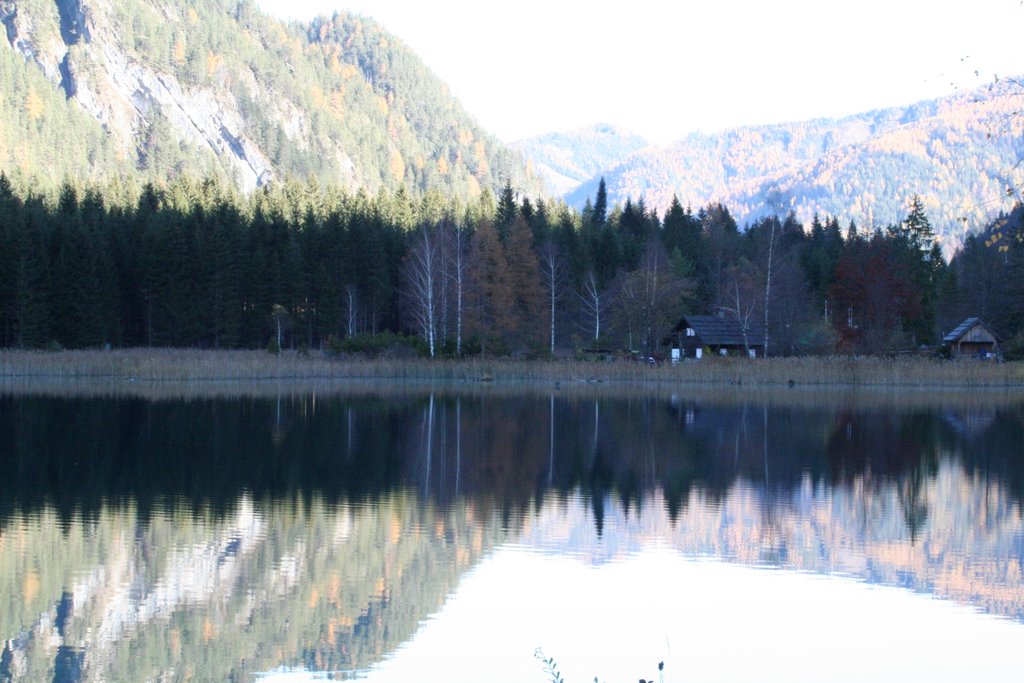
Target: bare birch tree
[552, 273]
[455, 271]
[741, 298]
[593, 302]
[768, 283]
[423, 283]
[648, 297]
[351, 303]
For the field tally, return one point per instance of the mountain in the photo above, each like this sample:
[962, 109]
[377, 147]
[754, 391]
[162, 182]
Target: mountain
[959, 153]
[565, 160]
[97, 88]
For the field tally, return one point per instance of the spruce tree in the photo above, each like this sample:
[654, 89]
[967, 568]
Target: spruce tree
[10, 214]
[507, 211]
[918, 225]
[31, 305]
[600, 214]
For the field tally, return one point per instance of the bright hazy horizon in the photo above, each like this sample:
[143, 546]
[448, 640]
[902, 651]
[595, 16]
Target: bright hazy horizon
[665, 69]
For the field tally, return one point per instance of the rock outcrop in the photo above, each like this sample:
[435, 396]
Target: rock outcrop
[77, 50]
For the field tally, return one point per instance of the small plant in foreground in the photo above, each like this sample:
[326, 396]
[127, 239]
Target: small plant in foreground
[555, 676]
[550, 667]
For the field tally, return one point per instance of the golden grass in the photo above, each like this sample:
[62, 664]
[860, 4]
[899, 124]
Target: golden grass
[198, 365]
[187, 372]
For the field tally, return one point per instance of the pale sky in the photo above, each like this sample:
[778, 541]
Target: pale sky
[662, 68]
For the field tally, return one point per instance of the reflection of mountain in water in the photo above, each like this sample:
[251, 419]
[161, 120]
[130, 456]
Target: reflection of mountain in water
[203, 597]
[206, 539]
[970, 548]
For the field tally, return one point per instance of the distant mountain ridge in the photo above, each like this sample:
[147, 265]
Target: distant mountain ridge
[96, 88]
[565, 160]
[959, 153]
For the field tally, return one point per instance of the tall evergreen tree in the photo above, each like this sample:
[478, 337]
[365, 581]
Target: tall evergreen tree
[31, 305]
[600, 212]
[10, 217]
[507, 210]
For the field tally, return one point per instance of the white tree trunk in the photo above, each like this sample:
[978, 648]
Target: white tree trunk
[422, 280]
[768, 285]
[458, 278]
[351, 310]
[594, 302]
[551, 266]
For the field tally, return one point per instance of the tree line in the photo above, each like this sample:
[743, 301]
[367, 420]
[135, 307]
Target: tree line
[195, 264]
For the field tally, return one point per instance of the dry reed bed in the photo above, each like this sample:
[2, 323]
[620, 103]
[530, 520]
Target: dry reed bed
[891, 399]
[187, 365]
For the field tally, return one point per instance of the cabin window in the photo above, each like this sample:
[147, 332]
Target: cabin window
[689, 332]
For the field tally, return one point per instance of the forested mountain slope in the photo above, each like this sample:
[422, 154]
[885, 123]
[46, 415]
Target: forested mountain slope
[565, 160]
[958, 153]
[96, 88]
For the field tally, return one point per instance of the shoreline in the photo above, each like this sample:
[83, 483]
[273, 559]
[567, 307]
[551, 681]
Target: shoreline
[250, 369]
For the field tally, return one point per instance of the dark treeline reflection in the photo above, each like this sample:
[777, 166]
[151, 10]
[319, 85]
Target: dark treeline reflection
[214, 539]
[77, 455]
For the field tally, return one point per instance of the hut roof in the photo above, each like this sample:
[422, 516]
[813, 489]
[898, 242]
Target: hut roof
[966, 325]
[716, 331]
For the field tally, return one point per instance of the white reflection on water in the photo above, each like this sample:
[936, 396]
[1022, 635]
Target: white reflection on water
[706, 619]
[696, 594]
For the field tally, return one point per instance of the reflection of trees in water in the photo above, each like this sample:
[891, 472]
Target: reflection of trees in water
[505, 452]
[969, 549]
[180, 595]
[102, 492]
[903, 447]
[79, 454]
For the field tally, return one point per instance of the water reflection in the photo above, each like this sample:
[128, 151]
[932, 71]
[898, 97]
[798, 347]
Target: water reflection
[212, 597]
[705, 619]
[215, 539]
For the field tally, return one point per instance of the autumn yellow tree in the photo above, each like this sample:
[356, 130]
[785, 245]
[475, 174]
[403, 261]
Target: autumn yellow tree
[34, 106]
[527, 293]
[492, 318]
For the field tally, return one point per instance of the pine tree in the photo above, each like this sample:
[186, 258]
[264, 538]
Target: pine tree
[221, 246]
[75, 288]
[600, 213]
[507, 211]
[918, 225]
[31, 304]
[10, 216]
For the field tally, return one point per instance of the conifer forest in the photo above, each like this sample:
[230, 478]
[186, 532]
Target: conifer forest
[298, 266]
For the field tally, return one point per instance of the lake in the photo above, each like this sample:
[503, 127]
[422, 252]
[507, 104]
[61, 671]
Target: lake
[436, 534]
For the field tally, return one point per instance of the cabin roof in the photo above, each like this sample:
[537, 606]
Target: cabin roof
[716, 331]
[961, 329]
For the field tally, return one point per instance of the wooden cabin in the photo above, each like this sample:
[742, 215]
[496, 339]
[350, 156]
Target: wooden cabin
[972, 339]
[694, 334]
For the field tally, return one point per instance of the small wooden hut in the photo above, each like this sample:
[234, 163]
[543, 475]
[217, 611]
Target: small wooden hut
[972, 339]
[719, 335]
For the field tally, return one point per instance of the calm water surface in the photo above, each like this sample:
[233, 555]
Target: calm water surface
[446, 536]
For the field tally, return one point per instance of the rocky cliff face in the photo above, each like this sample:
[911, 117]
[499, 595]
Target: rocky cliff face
[34, 37]
[219, 89]
[76, 48]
